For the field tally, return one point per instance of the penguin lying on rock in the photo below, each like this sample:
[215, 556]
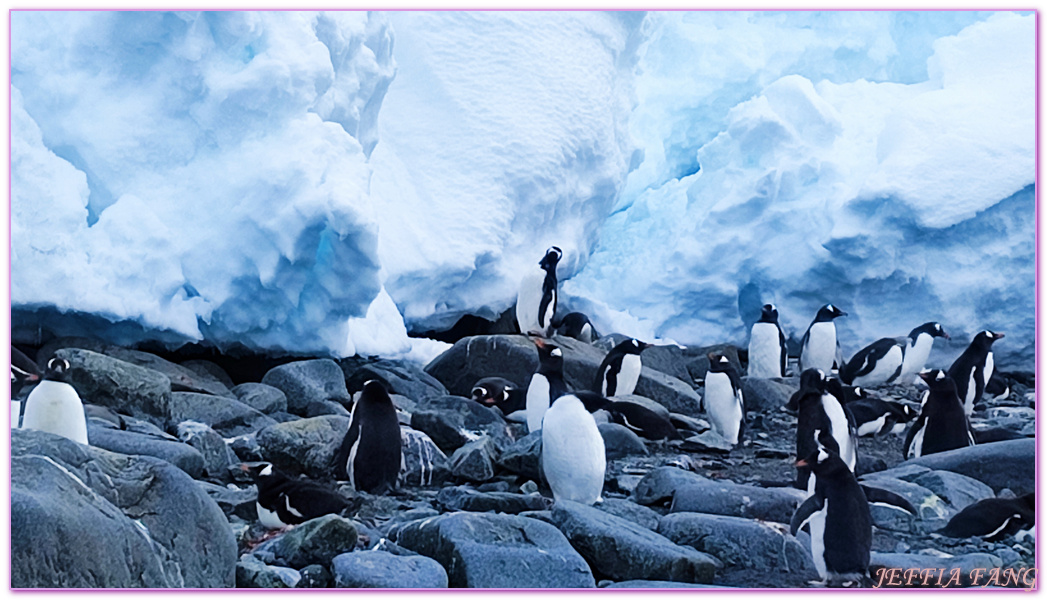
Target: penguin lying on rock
[643, 421]
[578, 326]
[502, 393]
[994, 519]
[283, 501]
[873, 416]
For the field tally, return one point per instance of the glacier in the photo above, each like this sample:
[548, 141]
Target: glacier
[328, 182]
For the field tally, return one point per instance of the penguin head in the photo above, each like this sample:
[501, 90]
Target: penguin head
[550, 357]
[552, 256]
[57, 370]
[931, 328]
[633, 346]
[481, 395]
[769, 314]
[823, 461]
[374, 391]
[986, 338]
[813, 380]
[938, 380]
[718, 363]
[828, 313]
[263, 473]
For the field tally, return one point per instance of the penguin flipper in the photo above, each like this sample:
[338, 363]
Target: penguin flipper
[810, 506]
[803, 347]
[341, 458]
[785, 352]
[877, 495]
[911, 435]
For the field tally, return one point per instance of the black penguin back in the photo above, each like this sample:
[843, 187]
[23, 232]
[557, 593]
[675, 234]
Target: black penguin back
[945, 426]
[371, 453]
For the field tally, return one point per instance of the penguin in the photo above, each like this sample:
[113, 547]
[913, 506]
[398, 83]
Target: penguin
[993, 518]
[878, 363]
[546, 384]
[283, 501]
[821, 421]
[573, 458]
[537, 298]
[54, 405]
[723, 400]
[997, 388]
[837, 513]
[371, 455]
[918, 349]
[819, 347]
[941, 425]
[973, 368]
[23, 371]
[620, 370]
[767, 353]
[873, 416]
[844, 393]
[643, 421]
[578, 326]
[496, 391]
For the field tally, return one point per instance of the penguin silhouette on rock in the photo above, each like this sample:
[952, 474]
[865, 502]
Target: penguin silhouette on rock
[283, 501]
[820, 348]
[371, 454]
[821, 422]
[573, 455]
[619, 372]
[546, 384]
[767, 353]
[972, 369]
[537, 298]
[723, 400]
[54, 406]
[941, 425]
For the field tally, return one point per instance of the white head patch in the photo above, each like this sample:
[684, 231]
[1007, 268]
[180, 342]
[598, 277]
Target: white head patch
[822, 455]
[829, 306]
[267, 471]
[940, 376]
[556, 352]
[723, 359]
[987, 333]
[858, 391]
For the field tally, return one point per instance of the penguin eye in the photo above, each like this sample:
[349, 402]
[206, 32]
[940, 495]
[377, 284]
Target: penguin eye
[556, 352]
[479, 391]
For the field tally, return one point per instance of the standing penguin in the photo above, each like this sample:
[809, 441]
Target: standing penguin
[767, 354]
[875, 364]
[54, 406]
[918, 349]
[23, 371]
[578, 326]
[942, 425]
[546, 385]
[819, 347]
[536, 300]
[620, 370]
[821, 421]
[973, 369]
[371, 456]
[723, 399]
[573, 455]
[283, 501]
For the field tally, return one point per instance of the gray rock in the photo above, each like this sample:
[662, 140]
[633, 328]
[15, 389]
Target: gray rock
[707, 441]
[932, 511]
[698, 365]
[661, 484]
[424, 463]
[261, 397]
[181, 455]
[233, 501]
[958, 490]
[523, 457]
[1010, 464]
[308, 381]
[225, 415]
[253, 573]
[384, 570]
[48, 350]
[630, 511]
[468, 499]
[246, 447]
[645, 583]
[644, 402]
[101, 379]
[763, 395]
[727, 498]
[316, 541]
[892, 518]
[304, 446]
[208, 369]
[1007, 556]
[171, 534]
[315, 576]
[475, 460]
[452, 422]
[482, 550]
[182, 379]
[740, 543]
[399, 377]
[218, 456]
[619, 441]
[965, 563]
[619, 549]
[905, 472]
[319, 408]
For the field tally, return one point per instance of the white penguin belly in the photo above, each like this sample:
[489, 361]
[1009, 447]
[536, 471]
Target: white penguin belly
[841, 430]
[586, 334]
[915, 357]
[629, 375]
[725, 412]
[537, 401]
[884, 369]
[55, 407]
[989, 365]
[16, 411]
[820, 351]
[573, 455]
[528, 299]
[916, 450]
[872, 427]
[817, 524]
[268, 518]
[765, 351]
[968, 401]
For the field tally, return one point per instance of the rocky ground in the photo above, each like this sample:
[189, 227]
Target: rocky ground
[158, 499]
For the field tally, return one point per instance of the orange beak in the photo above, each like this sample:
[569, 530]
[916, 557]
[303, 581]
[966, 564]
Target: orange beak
[801, 463]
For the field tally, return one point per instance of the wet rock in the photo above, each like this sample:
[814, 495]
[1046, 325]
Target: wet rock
[619, 441]
[225, 415]
[958, 490]
[253, 573]
[218, 457]
[105, 436]
[474, 461]
[131, 389]
[182, 379]
[719, 497]
[468, 499]
[707, 441]
[740, 543]
[452, 422]
[424, 463]
[208, 369]
[316, 541]
[385, 570]
[1010, 464]
[399, 377]
[233, 501]
[891, 518]
[523, 456]
[763, 395]
[261, 397]
[932, 511]
[661, 484]
[315, 576]
[630, 511]
[304, 446]
[308, 381]
[937, 565]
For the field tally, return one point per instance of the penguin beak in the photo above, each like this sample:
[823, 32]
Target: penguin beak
[946, 335]
[245, 468]
[801, 463]
[645, 345]
[926, 376]
[997, 336]
[538, 342]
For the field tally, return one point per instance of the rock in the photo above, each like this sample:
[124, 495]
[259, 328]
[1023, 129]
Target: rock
[932, 512]
[468, 499]
[182, 379]
[938, 565]
[233, 501]
[181, 455]
[523, 457]
[481, 550]
[101, 379]
[669, 359]
[684, 424]
[619, 549]
[646, 583]
[261, 397]
[698, 365]
[1010, 464]
[48, 350]
[661, 484]
[399, 377]
[304, 446]
[630, 511]
[892, 519]
[1007, 556]
[619, 441]
[707, 441]
[150, 524]
[246, 448]
[225, 415]
[958, 490]
[905, 472]
[317, 541]
[218, 457]
[208, 369]
[453, 421]
[719, 497]
[383, 570]
[253, 573]
[763, 395]
[308, 381]
[475, 460]
[740, 543]
[315, 576]
[424, 463]
[319, 408]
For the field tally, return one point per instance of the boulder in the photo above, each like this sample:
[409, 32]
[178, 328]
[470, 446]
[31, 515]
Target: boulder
[524, 456]
[698, 365]
[308, 381]
[958, 490]
[965, 563]
[763, 395]
[483, 550]
[475, 460]
[315, 576]
[122, 386]
[103, 435]
[225, 415]
[182, 379]
[304, 446]
[399, 377]
[48, 350]
[619, 441]
[208, 369]
[661, 484]
[932, 511]
[384, 570]
[619, 549]
[219, 458]
[424, 463]
[453, 421]
[707, 441]
[1010, 464]
[261, 397]
[726, 498]
[468, 499]
[233, 501]
[253, 573]
[316, 541]
[630, 511]
[740, 543]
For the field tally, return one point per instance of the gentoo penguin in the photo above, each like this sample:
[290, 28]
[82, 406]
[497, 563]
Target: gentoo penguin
[371, 455]
[578, 326]
[973, 368]
[723, 399]
[767, 354]
[536, 301]
[876, 364]
[997, 388]
[546, 385]
[573, 458]
[844, 393]
[941, 425]
[819, 347]
[23, 371]
[838, 515]
[500, 392]
[993, 518]
[821, 421]
[873, 416]
[283, 501]
[620, 370]
[54, 405]
[918, 349]
[643, 421]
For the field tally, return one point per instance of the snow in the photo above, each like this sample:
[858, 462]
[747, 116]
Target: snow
[326, 182]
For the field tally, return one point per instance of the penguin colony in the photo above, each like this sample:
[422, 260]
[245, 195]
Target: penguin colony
[832, 410]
